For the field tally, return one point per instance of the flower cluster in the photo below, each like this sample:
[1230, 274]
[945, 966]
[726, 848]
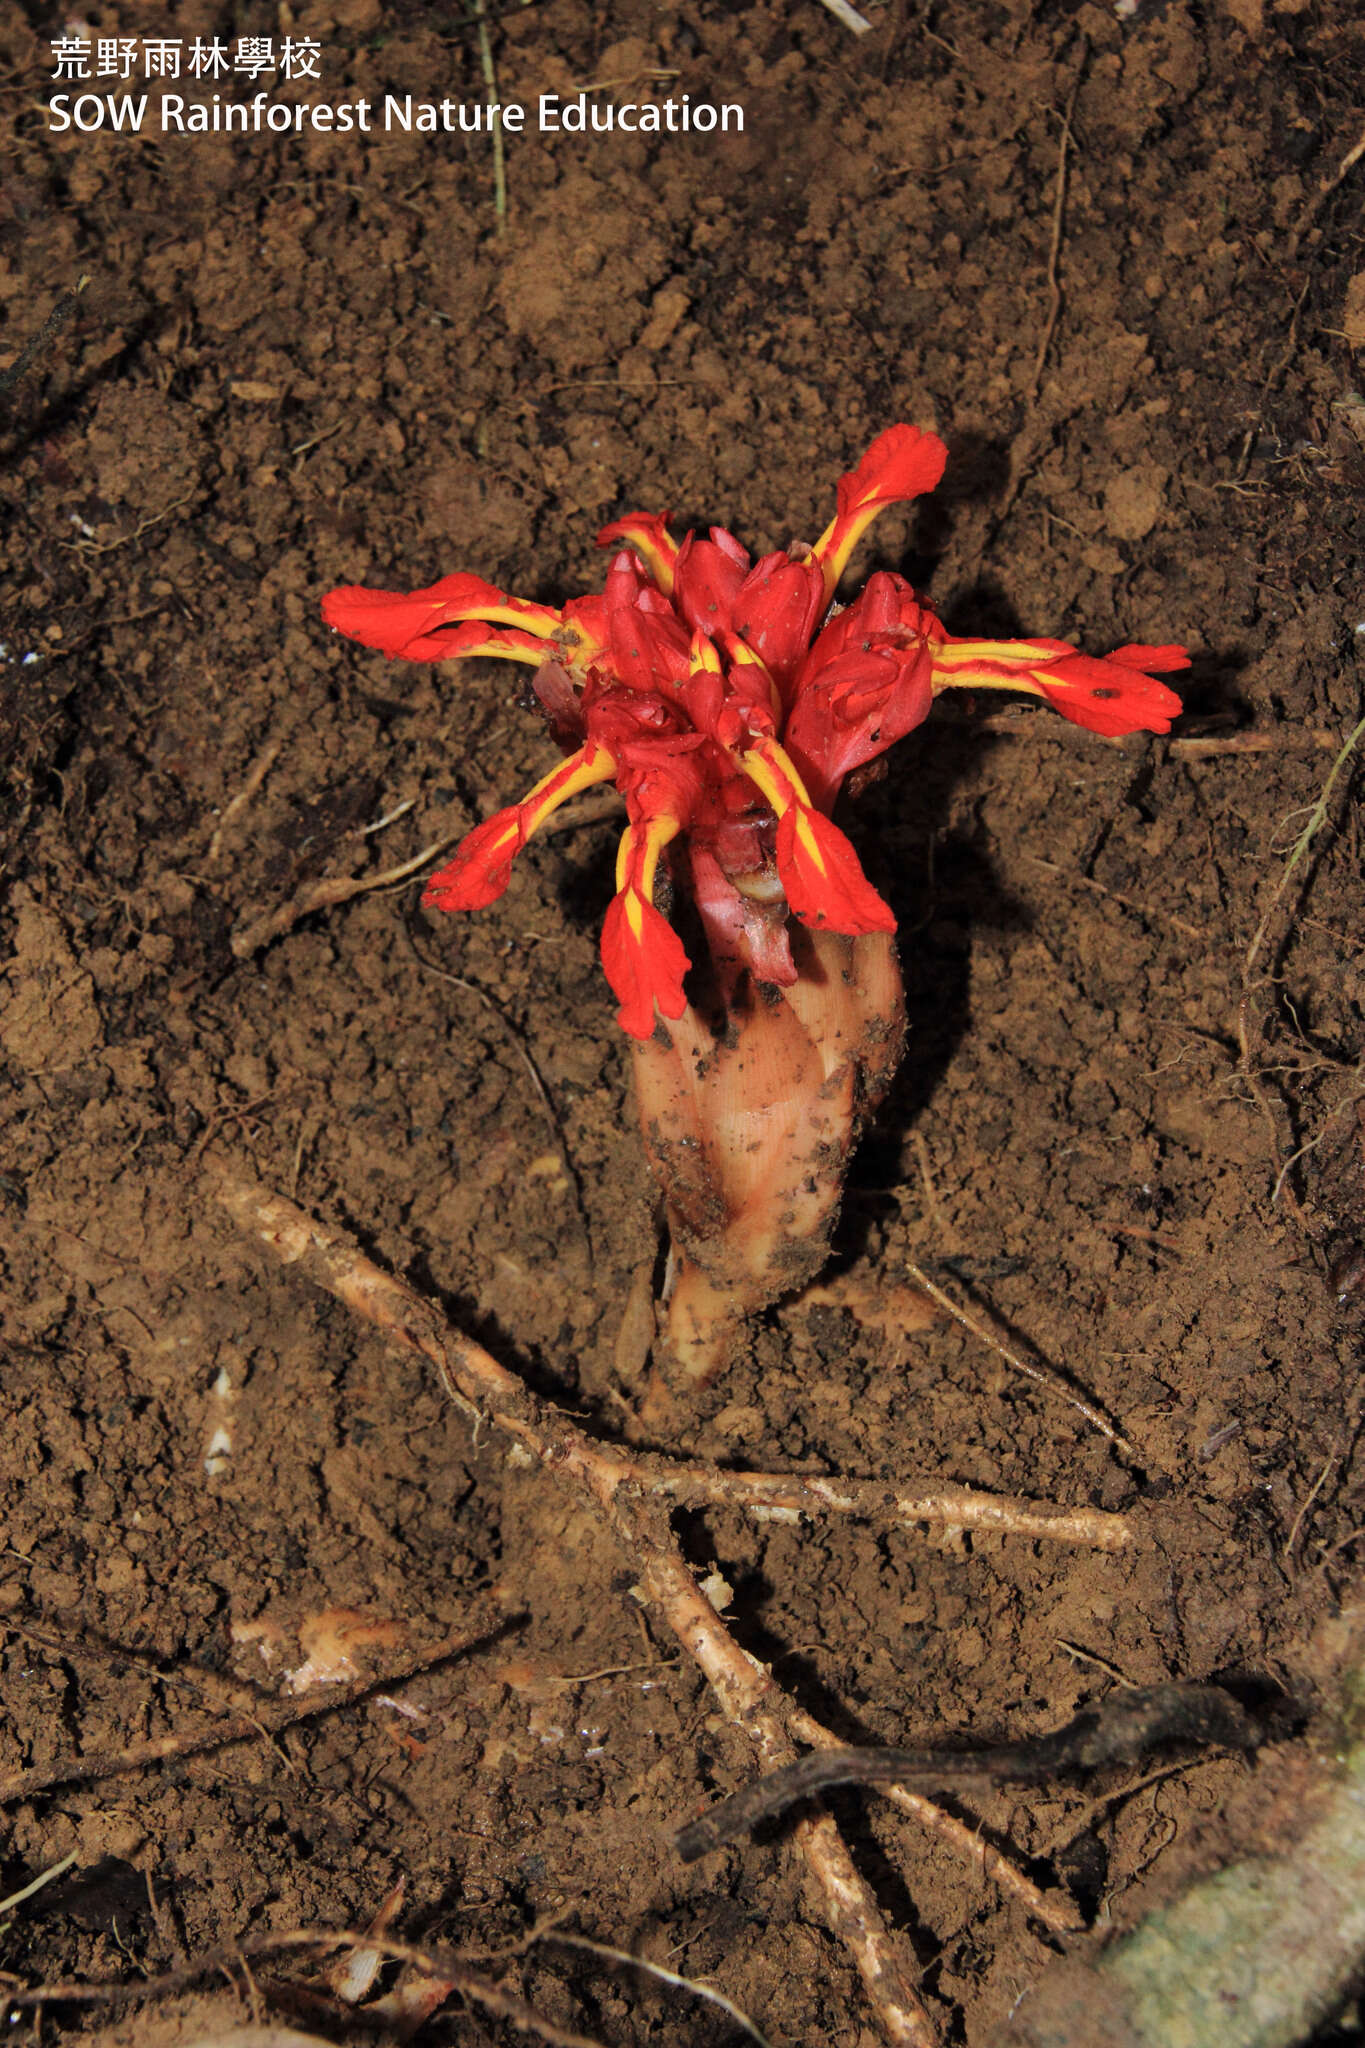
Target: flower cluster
[727, 701]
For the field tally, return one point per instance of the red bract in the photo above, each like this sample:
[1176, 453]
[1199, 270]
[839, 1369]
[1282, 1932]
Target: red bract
[728, 705]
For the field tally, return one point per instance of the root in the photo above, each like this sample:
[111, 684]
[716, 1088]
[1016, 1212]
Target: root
[481, 1387]
[634, 1495]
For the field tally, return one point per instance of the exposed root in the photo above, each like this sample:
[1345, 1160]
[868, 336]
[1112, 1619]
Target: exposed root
[745, 1690]
[945, 1509]
[634, 1494]
[1056, 1908]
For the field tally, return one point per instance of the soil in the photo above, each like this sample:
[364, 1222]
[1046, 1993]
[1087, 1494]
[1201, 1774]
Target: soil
[309, 360]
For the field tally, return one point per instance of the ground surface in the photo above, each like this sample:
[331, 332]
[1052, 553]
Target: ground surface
[308, 362]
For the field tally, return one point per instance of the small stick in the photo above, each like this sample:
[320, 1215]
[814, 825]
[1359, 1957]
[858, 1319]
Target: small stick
[255, 776]
[1054, 288]
[1325, 191]
[1123, 1728]
[1248, 1041]
[434, 1962]
[523, 1050]
[1306, 1504]
[1039, 1374]
[324, 895]
[59, 315]
[1148, 911]
[657, 1970]
[849, 16]
[268, 1721]
[1056, 1909]
[1208, 749]
[490, 80]
[36, 1884]
[1317, 818]
[124, 540]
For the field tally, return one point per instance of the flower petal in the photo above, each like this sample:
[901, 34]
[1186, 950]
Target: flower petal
[853, 709]
[776, 610]
[422, 625]
[1111, 695]
[645, 962]
[648, 534]
[709, 574]
[820, 872]
[649, 643]
[902, 463]
[482, 866]
[825, 884]
[641, 953]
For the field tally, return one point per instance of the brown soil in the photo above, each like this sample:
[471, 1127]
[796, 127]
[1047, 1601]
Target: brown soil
[305, 362]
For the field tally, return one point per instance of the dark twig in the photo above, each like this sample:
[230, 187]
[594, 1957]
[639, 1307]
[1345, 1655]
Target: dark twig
[59, 315]
[1126, 1726]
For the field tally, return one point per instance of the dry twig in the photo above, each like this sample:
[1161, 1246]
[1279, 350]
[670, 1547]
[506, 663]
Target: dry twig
[450, 1968]
[849, 16]
[1282, 740]
[1041, 1375]
[1151, 912]
[1125, 1726]
[268, 1719]
[1250, 1034]
[657, 1971]
[1056, 1909]
[1054, 287]
[255, 776]
[61, 312]
[323, 895]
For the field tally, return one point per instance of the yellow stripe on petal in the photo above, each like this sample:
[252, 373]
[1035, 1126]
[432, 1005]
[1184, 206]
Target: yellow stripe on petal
[743, 656]
[658, 832]
[900, 465]
[805, 833]
[705, 659]
[532, 618]
[772, 769]
[989, 664]
[648, 534]
[591, 764]
[501, 645]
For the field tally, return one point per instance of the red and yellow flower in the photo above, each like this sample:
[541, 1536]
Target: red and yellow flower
[727, 701]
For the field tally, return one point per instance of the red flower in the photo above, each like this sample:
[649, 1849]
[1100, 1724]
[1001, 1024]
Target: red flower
[728, 706]
[1111, 695]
